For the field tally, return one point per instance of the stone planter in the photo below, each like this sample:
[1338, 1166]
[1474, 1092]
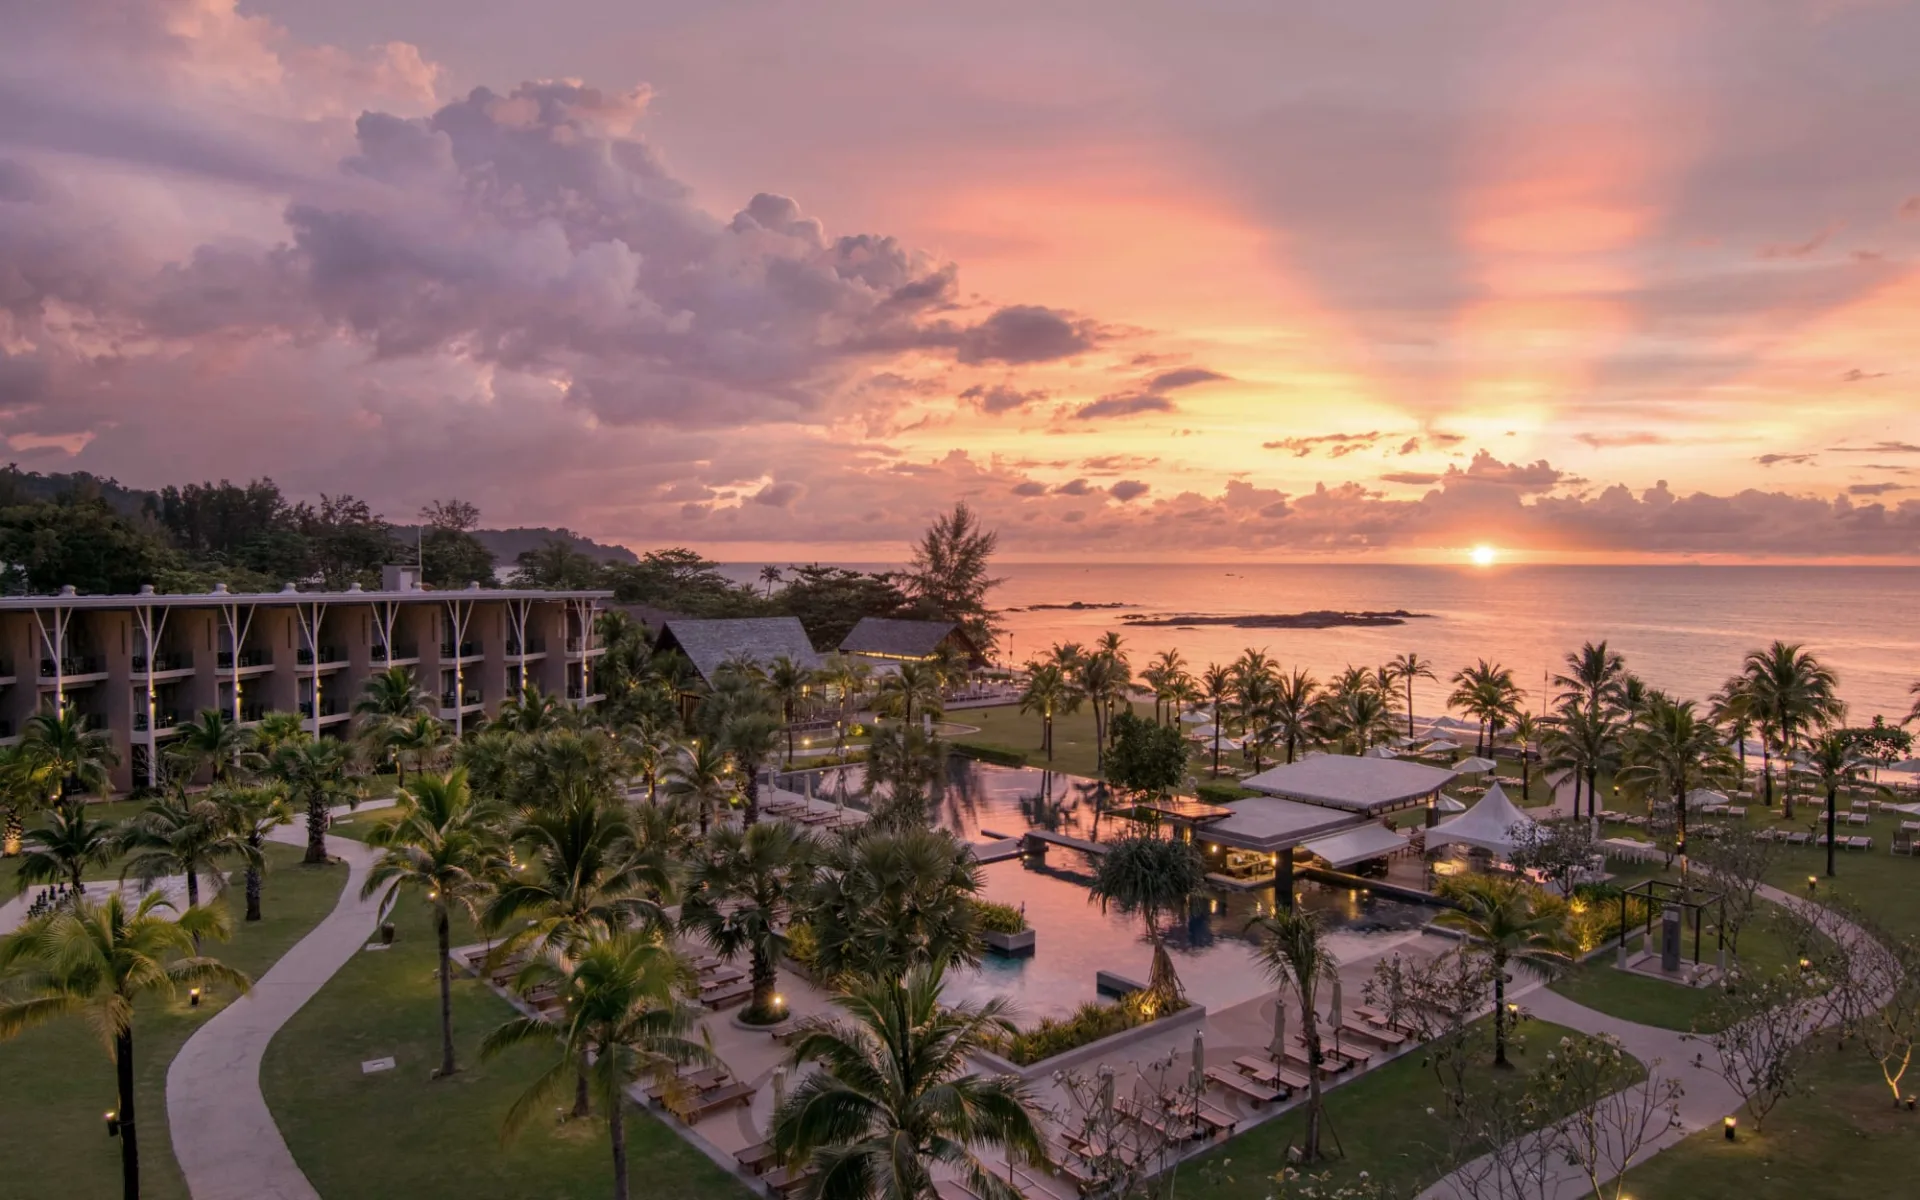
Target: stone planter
[1102, 1050]
[1013, 945]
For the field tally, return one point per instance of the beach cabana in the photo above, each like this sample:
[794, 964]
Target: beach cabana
[1489, 824]
[1370, 786]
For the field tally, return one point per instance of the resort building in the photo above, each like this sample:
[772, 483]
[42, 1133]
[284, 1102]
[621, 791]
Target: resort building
[710, 644]
[884, 640]
[139, 665]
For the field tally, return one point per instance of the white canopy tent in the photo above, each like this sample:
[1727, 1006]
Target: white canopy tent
[1489, 824]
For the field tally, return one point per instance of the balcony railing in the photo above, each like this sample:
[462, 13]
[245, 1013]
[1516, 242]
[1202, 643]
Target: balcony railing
[576, 644]
[248, 658]
[74, 665]
[515, 648]
[162, 719]
[470, 699]
[466, 650]
[330, 706]
[161, 662]
[328, 655]
[382, 654]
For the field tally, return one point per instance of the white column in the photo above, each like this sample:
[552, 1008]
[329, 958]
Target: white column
[237, 630]
[310, 617]
[54, 638]
[150, 633]
[459, 612]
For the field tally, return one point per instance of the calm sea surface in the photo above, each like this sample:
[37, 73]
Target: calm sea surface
[1682, 628]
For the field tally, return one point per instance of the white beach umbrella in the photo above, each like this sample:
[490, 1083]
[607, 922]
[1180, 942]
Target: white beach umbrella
[1439, 746]
[1279, 1046]
[1199, 1060]
[1381, 752]
[1203, 731]
[779, 1098]
[1447, 804]
[1908, 766]
[1334, 1005]
[1475, 766]
[1196, 716]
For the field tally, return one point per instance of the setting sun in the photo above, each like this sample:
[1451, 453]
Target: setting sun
[1483, 555]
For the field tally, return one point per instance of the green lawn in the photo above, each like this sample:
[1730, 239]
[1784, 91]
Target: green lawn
[359, 825]
[424, 1138]
[1600, 985]
[1005, 728]
[59, 1080]
[1382, 1124]
[111, 811]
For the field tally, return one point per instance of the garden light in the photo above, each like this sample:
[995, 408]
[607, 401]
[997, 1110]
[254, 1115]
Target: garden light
[193, 997]
[1728, 1127]
[113, 1123]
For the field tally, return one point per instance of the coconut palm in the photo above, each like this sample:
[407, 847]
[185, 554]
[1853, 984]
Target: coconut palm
[69, 753]
[64, 848]
[1354, 713]
[578, 872]
[273, 731]
[894, 1098]
[1790, 693]
[621, 1012]
[738, 896]
[96, 962]
[1049, 691]
[1254, 689]
[388, 700]
[418, 742]
[1731, 709]
[700, 773]
[1517, 923]
[444, 845]
[1592, 673]
[1586, 742]
[1150, 876]
[751, 738]
[1487, 691]
[316, 776]
[1913, 714]
[1291, 710]
[1403, 671]
[891, 901]
[1216, 687]
[252, 812]
[1526, 732]
[790, 683]
[1293, 949]
[1672, 751]
[180, 835]
[24, 787]
[1835, 757]
[212, 743]
[912, 686]
[1102, 677]
[770, 575]
[532, 711]
[1164, 676]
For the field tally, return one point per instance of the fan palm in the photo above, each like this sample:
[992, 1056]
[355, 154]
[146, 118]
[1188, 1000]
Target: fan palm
[621, 1014]
[181, 835]
[738, 896]
[750, 739]
[96, 961]
[273, 731]
[1293, 949]
[213, 743]
[316, 775]
[1150, 876]
[912, 686]
[1835, 757]
[252, 813]
[1404, 670]
[904, 768]
[1672, 751]
[1790, 692]
[700, 773]
[893, 1096]
[63, 848]
[891, 901]
[1517, 924]
[69, 753]
[442, 845]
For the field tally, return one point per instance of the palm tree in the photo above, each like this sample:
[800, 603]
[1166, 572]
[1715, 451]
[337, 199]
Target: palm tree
[68, 753]
[212, 742]
[1150, 876]
[273, 731]
[388, 701]
[1290, 710]
[1731, 708]
[1835, 757]
[444, 846]
[911, 684]
[700, 773]
[751, 739]
[1526, 731]
[1103, 678]
[1404, 670]
[1254, 691]
[531, 711]
[1593, 671]
[1216, 685]
[738, 896]
[420, 741]
[62, 849]
[1488, 692]
[579, 872]
[252, 813]
[1354, 713]
[621, 1013]
[893, 1096]
[903, 770]
[1517, 924]
[24, 788]
[770, 575]
[895, 900]
[790, 681]
[1673, 751]
[178, 835]
[1586, 742]
[1790, 693]
[1048, 692]
[1913, 714]
[1293, 949]
[315, 774]
[1163, 675]
[96, 961]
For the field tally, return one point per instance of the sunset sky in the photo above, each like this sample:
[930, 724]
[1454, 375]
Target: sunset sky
[1384, 279]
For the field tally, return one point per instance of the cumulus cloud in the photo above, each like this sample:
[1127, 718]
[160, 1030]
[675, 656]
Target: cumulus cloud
[1026, 333]
[1075, 487]
[1029, 487]
[1127, 489]
[1001, 397]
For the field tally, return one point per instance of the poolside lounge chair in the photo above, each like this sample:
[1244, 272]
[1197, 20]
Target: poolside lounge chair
[1379, 1034]
[1234, 1081]
[787, 1180]
[755, 1159]
[1858, 843]
[1033, 1188]
[1208, 1118]
[715, 1100]
[1798, 838]
[1175, 1127]
[726, 995]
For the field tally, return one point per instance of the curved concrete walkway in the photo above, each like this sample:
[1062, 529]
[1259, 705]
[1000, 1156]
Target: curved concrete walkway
[224, 1137]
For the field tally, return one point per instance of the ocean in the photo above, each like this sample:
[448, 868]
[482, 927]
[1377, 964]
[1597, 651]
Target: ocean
[1681, 628]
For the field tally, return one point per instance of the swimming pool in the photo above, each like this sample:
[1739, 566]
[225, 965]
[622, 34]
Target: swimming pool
[1211, 950]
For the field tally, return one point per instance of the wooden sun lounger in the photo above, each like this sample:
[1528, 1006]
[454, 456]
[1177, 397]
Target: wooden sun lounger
[713, 976]
[786, 1180]
[1360, 1056]
[714, 1101]
[729, 994]
[1378, 1020]
[755, 1159]
[1331, 1064]
[1379, 1035]
[1154, 1121]
[1234, 1081]
[1211, 1118]
[701, 1079]
[1269, 1072]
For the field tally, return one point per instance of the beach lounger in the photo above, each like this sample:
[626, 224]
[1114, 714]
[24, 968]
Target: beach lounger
[1233, 1081]
[1175, 1128]
[1737, 810]
[1798, 838]
[1330, 1064]
[715, 1100]
[953, 1189]
[698, 1079]
[787, 1180]
[1378, 1033]
[1859, 843]
[1360, 1056]
[1208, 1118]
[715, 976]
[726, 995]
[755, 1159]
[1858, 818]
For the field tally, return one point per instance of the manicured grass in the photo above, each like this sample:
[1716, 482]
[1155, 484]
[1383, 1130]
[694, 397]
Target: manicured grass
[360, 825]
[1006, 728]
[111, 811]
[1600, 985]
[59, 1079]
[1842, 1137]
[425, 1138]
[1380, 1120]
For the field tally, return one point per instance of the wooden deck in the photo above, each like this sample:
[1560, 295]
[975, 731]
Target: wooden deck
[1049, 838]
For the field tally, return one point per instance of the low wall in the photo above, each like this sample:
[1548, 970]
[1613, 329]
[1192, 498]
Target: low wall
[1193, 1014]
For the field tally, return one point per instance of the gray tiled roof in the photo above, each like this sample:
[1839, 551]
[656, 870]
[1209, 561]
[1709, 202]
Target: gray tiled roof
[1365, 785]
[896, 638]
[710, 643]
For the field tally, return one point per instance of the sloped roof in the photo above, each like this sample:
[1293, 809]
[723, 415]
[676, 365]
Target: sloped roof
[1488, 824]
[1356, 845]
[709, 643]
[1345, 781]
[896, 638]
[1266, 824]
